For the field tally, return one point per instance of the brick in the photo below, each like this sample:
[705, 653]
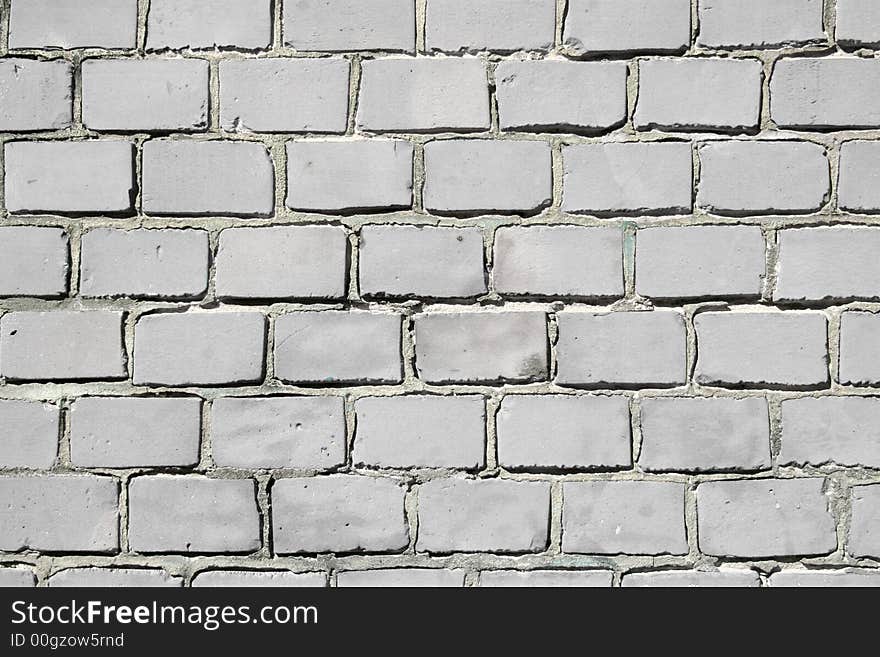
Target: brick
[627, 25]
[421, 431]
[14, 577]
[333, 347]
[350, 25]
[207, 177]
[145, 95]
[488, 515]
[29, 434]
[762, 349]
[551, 95]
[69, 177]
[33, 261]
[62, 345]
[409, 94]
[73, 23]
[765, 518]
[201, 348]
[478, 176]
[120, 432]
[113, 577]
[401, 578]
[857, 189]
[763, 177]
[864, 533]
[723, 577]
[625, 178]
[616, 517]
[307, 433]
[479, 346]
[549, 261]
[546, 578]
[209, 23]
[219, 515]
[548, 432]
[36, 95]
[706, 93]
[845, 577]
[349, 176]
[499, 25]
[421, 261]
[284, 95]
[760, 24]
[841, 430]
[700, 261]
[705, 434]
[858, 23]
[338, 514]
[59, 513]
[144, 263]
[859, 349]
[642, 349]
[255, 578]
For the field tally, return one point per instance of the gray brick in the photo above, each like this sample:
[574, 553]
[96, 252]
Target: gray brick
[282, 262]
[69, 177]
[845, 577]
[33, 261]
[254, 578]
[209, 23]
[14, 577]
[421, 431]
[349, 25]
[219, 515]
[765, 518]
[346, 176]
[548, 95]
[563, 432]
[207, 177]
[864, 533]
[338, 514]
[499, 25]
[421, 261]
[760, 24]
[144, 263]
[409, 94]
[333, 347]
[723, 577]
[120, 432]
[62, 345]
[488, 515]
[627, 25]
[59, 513]
[401, 578]
[550, 261]
[841, 430]
[36, 95]
[142, 95]
[199, 348]
[858, 22]
[705, 434]
[702, 93]
[763, 349]
[481, 347]
[763, 177]
[73, 23]
[284, 95]
[624, 178]
[478, 176]
[29, 434]
[547, 578]
[616, 517]
[857, 189]
[113, 577]
[859, 348]
[278, 432]
[642, 349]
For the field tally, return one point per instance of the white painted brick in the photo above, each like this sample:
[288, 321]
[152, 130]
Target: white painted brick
[480, 346]
[350, 25]
[145, 95]
[201, 348]
[255, 578]
[858, 22]
[478, 176]
[278, 432]
[760, 24]
[625, 178]
[615, 517]
[845, 577]
[62, 345]
[36, 95]
[488, 515]
[338, 514]
[723, 577]
[547, 578]
[859, 348]
[642, 349]
[113, 578]
[333, 347]
[820, 430]
[401, 578]
[421, 261]
[858, 189]
[33, 261]
[29, 434]
[192, 514]
[627, 25]
[69, 177]
[15, 577]
[209, 23]
[284, 95]
[410, 94]
[421, 431]
[765, 518]
[864, 533]
[59, 513]
[548, 432]
[120, 432]
[499, 25]
[73, 23]
[705, 434]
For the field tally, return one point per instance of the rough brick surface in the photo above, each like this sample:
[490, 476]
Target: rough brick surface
[726, 577]
[209, 23]
[546, 578]
[33, 261]
[401, 578]
[857, 184]
[499, 25]
[113, 577]
[17, 578]
[627, 25]
[820, 430]
[340, 25]
[37, 95]
[759, 24]
[859, 348]
[251, 578]
[73, 23]
[846, 577]
[865, 530]
[858, 22]
[29, 434]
